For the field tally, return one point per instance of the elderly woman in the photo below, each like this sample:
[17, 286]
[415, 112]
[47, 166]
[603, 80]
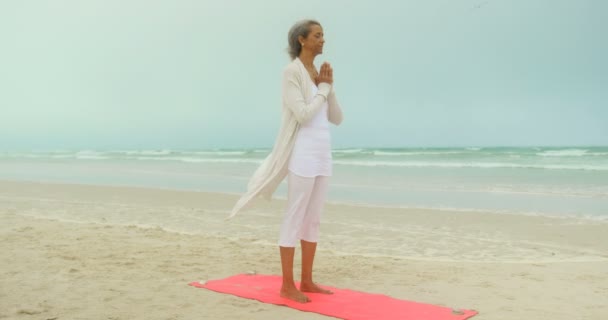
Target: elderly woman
[302, 153]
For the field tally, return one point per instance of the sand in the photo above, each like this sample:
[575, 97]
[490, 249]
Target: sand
[103, 252]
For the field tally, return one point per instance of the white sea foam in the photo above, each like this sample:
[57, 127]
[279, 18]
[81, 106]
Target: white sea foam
[220, 153]
[90, 155]
[202, 160]
[517, 189]
[347, 150]
[487, 165]
[415, 153]
[563, 153]
[442, 208]
[147, 152]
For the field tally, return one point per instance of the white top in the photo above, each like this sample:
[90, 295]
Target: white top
[311, 155]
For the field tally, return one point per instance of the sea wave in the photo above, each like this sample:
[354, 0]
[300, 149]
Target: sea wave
[516, 189]
[415, 153]
[221, 153]
[90, 155]
[563, 153]
[488, 165]
[202, 160]
[145, 152]
[442, 208]
[348, 150]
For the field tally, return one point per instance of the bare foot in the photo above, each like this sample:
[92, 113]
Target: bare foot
[312, 287]
[292, 293]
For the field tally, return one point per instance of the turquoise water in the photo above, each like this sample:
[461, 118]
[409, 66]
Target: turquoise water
[557, 181]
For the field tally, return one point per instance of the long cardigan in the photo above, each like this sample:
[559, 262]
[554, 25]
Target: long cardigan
[296, 92]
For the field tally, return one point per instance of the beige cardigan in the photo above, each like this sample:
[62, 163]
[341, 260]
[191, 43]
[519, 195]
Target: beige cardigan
[297, 91]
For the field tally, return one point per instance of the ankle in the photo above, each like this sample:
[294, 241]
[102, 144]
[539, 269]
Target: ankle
[306, 280]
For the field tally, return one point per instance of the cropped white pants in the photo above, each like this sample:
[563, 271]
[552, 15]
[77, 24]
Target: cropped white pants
[305, 201]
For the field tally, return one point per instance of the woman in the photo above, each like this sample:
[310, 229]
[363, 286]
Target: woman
[302, 153]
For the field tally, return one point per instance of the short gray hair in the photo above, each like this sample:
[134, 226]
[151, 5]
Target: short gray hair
[300, 28]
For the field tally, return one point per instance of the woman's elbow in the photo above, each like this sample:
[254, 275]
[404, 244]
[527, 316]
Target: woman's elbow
[299, 115]
[337, 121]
[301, 118]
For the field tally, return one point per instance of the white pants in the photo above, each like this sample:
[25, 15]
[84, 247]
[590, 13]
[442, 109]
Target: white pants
[305, 200]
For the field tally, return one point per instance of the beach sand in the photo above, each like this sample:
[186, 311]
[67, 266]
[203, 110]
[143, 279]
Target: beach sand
[100, 252]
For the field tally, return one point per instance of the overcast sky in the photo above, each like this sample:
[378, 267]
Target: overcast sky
[206, 74]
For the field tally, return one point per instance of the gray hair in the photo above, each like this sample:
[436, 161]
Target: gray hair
[300, 28]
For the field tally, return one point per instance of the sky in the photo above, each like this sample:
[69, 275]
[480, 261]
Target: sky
[192, 74]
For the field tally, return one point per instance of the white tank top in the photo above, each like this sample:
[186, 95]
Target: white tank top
[311, 155]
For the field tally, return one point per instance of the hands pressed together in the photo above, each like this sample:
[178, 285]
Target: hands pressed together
[326, 74]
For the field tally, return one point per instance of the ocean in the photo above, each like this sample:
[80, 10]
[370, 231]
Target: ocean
[550, 181]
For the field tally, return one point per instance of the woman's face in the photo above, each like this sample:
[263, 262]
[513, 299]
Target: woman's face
[314, 41]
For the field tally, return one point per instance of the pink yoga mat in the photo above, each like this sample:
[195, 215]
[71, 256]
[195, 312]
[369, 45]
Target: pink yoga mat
[344, 303]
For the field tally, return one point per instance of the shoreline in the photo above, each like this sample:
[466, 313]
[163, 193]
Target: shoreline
[116, 261]
[347, 229]
[585, 217]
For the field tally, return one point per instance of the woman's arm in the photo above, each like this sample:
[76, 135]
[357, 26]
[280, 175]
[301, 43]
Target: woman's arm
[294, 99]
[334, 112]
